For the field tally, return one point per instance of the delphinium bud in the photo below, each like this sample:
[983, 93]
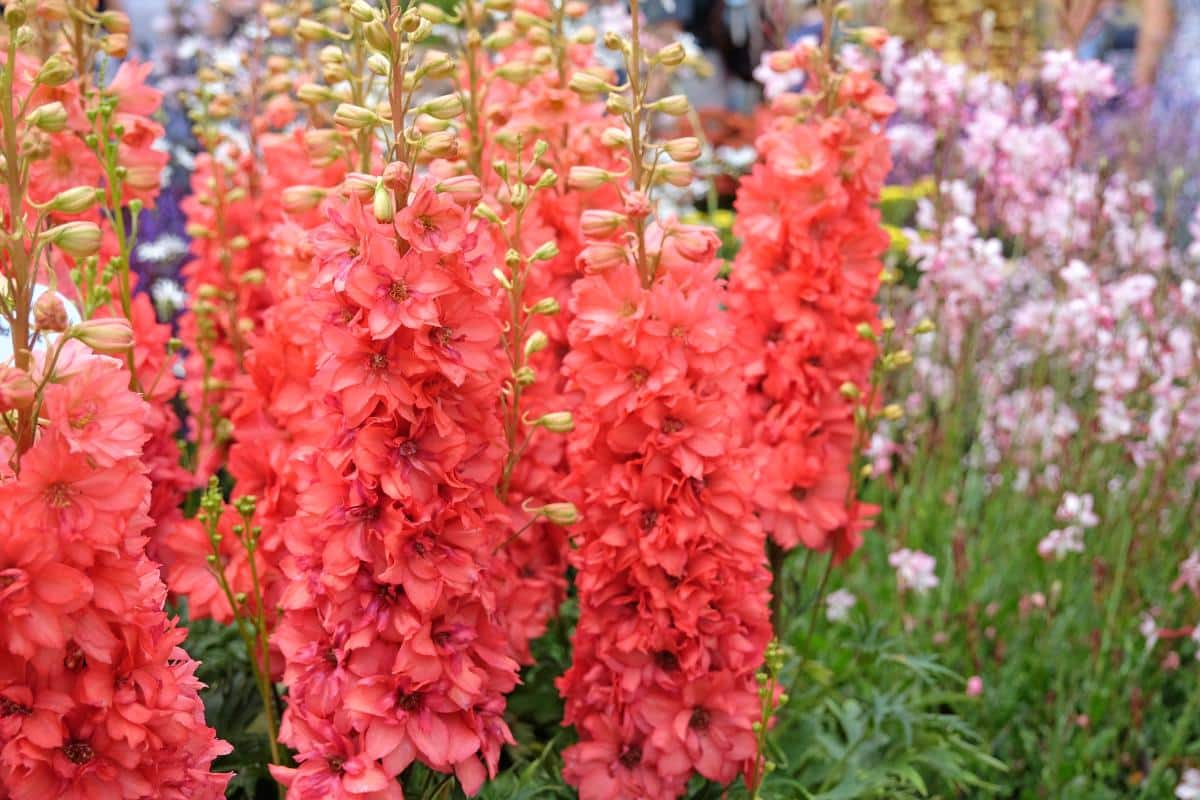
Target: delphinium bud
[588, 178]
[355, 117]
[75, 200]
[556, 422]
[536, 343]
[560, 513]
[547, 306]
[76, 239]
[676, 105]
[49, 313]
[683, 149]
[51, 117]
[110, 335]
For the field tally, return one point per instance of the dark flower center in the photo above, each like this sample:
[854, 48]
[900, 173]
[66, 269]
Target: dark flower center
[631, 756]
[78, 752]
[58, 495]
[11, 708]
[672, 425]
[389, 592]
[398, 291]
[75, 660]
[700, 720]
[799, 493]
[336, 764]
[649, 518]
[409, 702]
[666, 661]
[378, 362]
[638, 375]
[364, 513]
[407, 449]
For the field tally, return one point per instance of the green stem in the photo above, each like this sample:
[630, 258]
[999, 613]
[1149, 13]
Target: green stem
[1182, 726]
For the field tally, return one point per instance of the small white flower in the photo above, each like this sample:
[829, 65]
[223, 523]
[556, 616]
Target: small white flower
[1058, 543]
[168, 297]
[838, 605]
[739, 159]
[1077, 508]
[163, 250]
[914, 570]
[1148, 627]
[776, 83]
[1189, 786]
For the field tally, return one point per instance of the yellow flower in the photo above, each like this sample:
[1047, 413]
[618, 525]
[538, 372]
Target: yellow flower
[899, 242]
[723, 218]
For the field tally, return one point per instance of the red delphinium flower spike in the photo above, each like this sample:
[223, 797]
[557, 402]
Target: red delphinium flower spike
[672, 584]
[803, 286]
[391, 635]
[96, 696]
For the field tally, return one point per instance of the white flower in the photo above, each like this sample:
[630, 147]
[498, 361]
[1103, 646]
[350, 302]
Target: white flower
[1189, 786]
[739, 158]
[1058, 543]
[1148, 627]
[163, 250]
[1077, 508]
[168, 297]
[914, 570]
[838, 605]
[776, 83]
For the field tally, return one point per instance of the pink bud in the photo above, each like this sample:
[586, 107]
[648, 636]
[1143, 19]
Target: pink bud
[781, 61]
[597, 223]
[397, 177]
[601, 256]
[695, 243]
[360, 184]
[463, 188]
[974, 686]
[143, 177]
[637, 205]
[16, 389]
[685, 148]
[297, 199]
[49, 313]
[441, 144]
[111, 335]
[675, 174]
[588, 178]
